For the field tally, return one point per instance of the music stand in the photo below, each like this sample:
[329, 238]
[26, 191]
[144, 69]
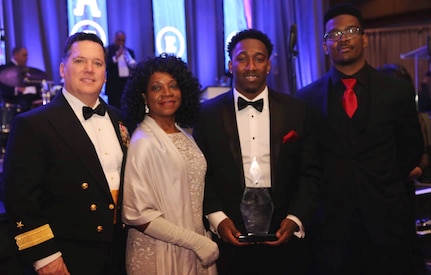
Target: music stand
[423, 52]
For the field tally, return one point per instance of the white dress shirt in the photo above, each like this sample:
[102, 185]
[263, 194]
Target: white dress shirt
[253, 131]
[254, 136]
[108, 149]
[124, 61]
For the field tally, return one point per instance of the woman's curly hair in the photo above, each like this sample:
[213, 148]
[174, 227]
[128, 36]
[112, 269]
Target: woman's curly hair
[133, 103]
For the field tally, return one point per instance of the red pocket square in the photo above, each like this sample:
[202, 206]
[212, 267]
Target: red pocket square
[292, 135]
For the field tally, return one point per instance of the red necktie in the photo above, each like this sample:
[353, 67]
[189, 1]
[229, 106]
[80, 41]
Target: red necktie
[350, 102]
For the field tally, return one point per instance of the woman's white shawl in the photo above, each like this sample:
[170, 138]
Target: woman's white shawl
[156, 184]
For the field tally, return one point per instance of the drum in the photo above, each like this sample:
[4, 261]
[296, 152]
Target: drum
[7, 113]
[48, 91]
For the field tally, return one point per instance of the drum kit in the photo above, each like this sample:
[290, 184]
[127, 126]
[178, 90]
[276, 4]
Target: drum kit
[20, 76]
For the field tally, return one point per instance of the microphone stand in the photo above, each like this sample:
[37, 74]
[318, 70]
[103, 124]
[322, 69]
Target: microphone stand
[292, 71]
[292, 54]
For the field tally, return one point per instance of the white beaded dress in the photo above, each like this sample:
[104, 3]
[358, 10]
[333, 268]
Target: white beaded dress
[146, 255]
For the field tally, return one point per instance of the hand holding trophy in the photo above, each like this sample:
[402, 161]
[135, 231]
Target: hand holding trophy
[256, 209]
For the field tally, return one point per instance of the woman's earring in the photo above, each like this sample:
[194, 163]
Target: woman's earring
[146, 109]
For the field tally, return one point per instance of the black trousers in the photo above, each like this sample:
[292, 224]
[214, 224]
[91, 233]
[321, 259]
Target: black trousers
[94, 258]
[361, 255]
[290, 258]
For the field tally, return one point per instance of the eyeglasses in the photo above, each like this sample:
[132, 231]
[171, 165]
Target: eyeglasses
[349, 32]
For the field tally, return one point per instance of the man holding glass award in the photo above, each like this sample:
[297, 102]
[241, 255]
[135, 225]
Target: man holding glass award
[263, 173]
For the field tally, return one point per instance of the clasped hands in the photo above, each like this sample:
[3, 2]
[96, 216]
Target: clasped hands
[229, 233]
[119, 52]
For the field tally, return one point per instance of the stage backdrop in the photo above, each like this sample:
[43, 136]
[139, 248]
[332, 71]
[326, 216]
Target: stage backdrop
[88, 16]
[43, 26]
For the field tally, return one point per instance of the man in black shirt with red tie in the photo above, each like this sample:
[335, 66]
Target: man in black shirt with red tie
[365, 223]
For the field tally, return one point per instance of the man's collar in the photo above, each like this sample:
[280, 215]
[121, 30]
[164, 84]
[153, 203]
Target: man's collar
[361, 75]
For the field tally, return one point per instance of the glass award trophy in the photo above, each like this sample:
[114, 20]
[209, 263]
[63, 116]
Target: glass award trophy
[256, 209]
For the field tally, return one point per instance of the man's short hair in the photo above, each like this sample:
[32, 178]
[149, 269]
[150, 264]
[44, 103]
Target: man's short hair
[250, 33]
[344, 8]
[17, 49]
[80, 36]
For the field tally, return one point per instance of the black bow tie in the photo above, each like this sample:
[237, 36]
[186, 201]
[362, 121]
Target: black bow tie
[258, 104]
[88, 111]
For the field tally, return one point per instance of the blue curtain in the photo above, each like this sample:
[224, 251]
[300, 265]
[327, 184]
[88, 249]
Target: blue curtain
[276, 18]
[135, 18]
[204, 22]
[41, 26]
[312, 62]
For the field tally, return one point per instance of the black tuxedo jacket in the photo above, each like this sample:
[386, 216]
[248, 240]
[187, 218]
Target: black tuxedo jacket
[114, 83]
[366, 175]
[295, 174]
[53, 176]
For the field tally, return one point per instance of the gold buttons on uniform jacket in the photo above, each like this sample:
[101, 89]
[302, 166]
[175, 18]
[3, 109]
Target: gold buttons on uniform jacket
[93, 207]
[99, 228]
[111, 206]
[84, 185]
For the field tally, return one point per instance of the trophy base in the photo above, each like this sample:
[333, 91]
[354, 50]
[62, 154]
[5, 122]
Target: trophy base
[257, 238]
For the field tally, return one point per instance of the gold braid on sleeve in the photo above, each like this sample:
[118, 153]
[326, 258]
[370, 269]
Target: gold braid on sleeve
[34, 237]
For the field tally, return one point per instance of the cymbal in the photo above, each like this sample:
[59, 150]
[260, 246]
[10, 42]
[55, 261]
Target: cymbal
[17, 76]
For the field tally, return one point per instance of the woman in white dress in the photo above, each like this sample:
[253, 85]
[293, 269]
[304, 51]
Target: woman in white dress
[164, 174]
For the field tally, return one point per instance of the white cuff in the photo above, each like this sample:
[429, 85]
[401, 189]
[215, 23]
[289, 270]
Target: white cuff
[215, 219]
[301, 233]
[44, 261]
